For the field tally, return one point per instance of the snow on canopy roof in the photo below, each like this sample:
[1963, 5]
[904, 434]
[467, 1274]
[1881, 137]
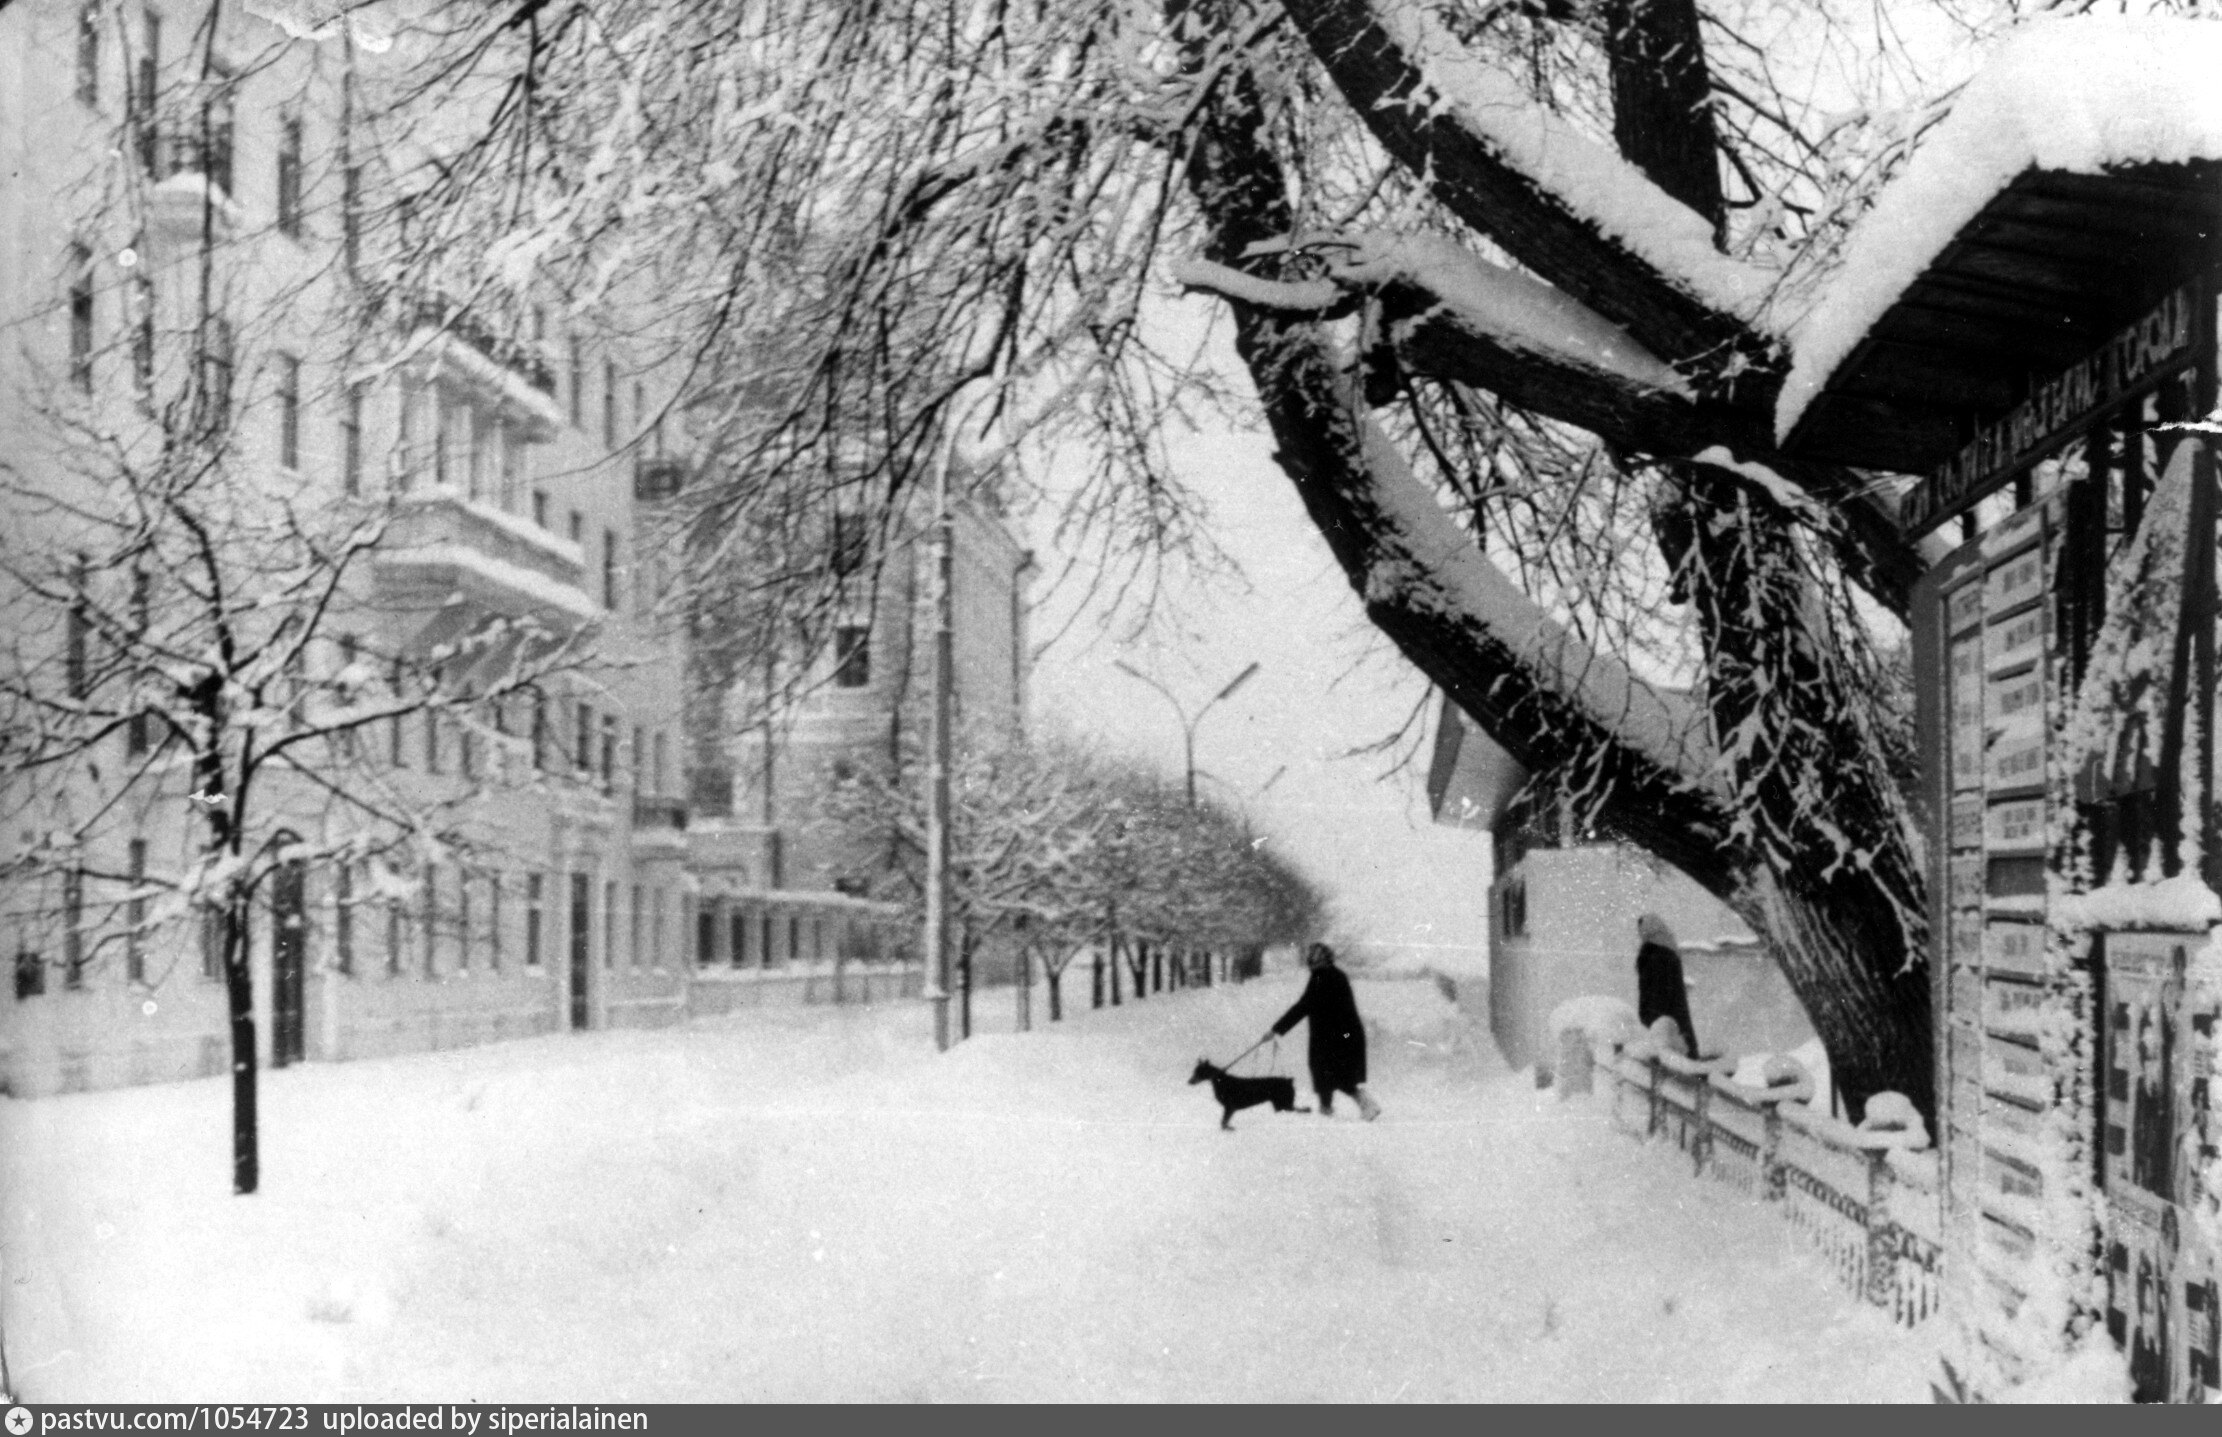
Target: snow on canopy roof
[1592, 180]
[2079, 95]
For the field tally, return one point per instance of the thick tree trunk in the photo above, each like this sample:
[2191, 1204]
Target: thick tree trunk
[1056, 977]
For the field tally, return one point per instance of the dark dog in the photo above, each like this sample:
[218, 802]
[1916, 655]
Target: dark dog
[1235, 1094]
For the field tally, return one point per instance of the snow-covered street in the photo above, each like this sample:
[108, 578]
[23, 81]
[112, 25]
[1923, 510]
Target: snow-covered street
[808, 1204]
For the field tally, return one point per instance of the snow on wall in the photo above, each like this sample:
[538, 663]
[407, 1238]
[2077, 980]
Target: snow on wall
[1593, 181]
[2075, 95]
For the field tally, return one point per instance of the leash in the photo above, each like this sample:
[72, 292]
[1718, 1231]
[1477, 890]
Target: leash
[1273, 1038]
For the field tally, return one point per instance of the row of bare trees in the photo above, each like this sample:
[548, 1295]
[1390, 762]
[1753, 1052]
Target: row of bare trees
[1059, 850]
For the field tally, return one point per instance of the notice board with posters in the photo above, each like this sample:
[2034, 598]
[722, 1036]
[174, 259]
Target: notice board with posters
[2063, 597]
[1993, 630]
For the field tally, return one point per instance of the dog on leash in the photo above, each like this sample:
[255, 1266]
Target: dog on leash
[1235, 1094]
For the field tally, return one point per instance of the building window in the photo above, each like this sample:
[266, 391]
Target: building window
[462, 919]
[343, 918]
[81, 316]
[408, 437]
[633, 918]
[705, 937]
[88, 52]
[535, 910]
[431, 921]
[577, 387]
[661, 755]
[394, 924]
[493, 921]
[578, 533]
[540, 507]
[143, 96]
[477, 468]
[656, 932]
[399, 722]
[30, 974]
[609, 924]
[609, 570]
[609, 404]
[351, 217]
[289, 411]
[582, 739]
[852, 656]
[77, 632]
[849, 544]
[212, 943]
[351, 442]
[289, 177]
[441, 417]
[73, 928]
[609, 752]
[142, 335]
[539, 731]
[215, 374]
[138, 728]
[206, 146]
[135, 914]
[431, 740]
[512, 467]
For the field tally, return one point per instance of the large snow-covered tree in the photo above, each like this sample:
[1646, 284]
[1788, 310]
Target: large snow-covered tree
[1513, 286]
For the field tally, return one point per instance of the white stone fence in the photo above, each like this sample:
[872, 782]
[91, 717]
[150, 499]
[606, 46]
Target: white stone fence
[1869, 1201]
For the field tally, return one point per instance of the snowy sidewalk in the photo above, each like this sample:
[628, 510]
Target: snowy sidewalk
[811, 1205]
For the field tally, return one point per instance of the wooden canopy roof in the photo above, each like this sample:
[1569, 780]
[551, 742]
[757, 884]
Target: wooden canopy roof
[2050, 269]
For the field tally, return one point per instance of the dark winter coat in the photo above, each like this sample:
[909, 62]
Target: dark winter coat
[1660, 992]
[1338, 1038]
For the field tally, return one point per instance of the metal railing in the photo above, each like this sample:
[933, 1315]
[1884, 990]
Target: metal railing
[1872, 1212]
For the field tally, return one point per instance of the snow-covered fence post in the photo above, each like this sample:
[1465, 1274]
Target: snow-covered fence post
[1773, 1179]
[1657, 1073]
[1882, 1233]
[1701, 1128]
[1575, 1062]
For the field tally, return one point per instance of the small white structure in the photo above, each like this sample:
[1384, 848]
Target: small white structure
[1563, 908]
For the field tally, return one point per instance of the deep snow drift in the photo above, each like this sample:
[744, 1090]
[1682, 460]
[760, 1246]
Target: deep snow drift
[810, 1204]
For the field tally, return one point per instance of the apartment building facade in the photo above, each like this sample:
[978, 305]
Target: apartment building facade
[191, 216]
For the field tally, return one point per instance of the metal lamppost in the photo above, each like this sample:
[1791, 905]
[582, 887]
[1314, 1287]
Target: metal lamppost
[1187, 724]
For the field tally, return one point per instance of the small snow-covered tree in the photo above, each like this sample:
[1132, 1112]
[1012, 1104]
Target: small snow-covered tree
[204, 686]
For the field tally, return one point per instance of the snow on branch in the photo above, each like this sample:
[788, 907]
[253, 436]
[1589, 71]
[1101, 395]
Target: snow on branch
[1436, 565]
[1592, 181]
[1521, 313]
[1305, 296]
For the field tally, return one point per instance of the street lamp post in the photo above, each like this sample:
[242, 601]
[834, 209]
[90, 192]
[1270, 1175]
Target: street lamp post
[1187, 724]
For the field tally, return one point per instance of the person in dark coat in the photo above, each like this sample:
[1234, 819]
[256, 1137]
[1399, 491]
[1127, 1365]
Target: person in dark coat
[1660, 990]
[1338, 1037]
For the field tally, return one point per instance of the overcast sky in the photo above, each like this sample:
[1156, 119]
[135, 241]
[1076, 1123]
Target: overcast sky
[1327, 683]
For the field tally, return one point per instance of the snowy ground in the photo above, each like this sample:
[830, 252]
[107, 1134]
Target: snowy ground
[807, 1204]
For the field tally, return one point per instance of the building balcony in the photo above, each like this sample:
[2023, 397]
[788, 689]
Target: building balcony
[442, 546]
[454, 348]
